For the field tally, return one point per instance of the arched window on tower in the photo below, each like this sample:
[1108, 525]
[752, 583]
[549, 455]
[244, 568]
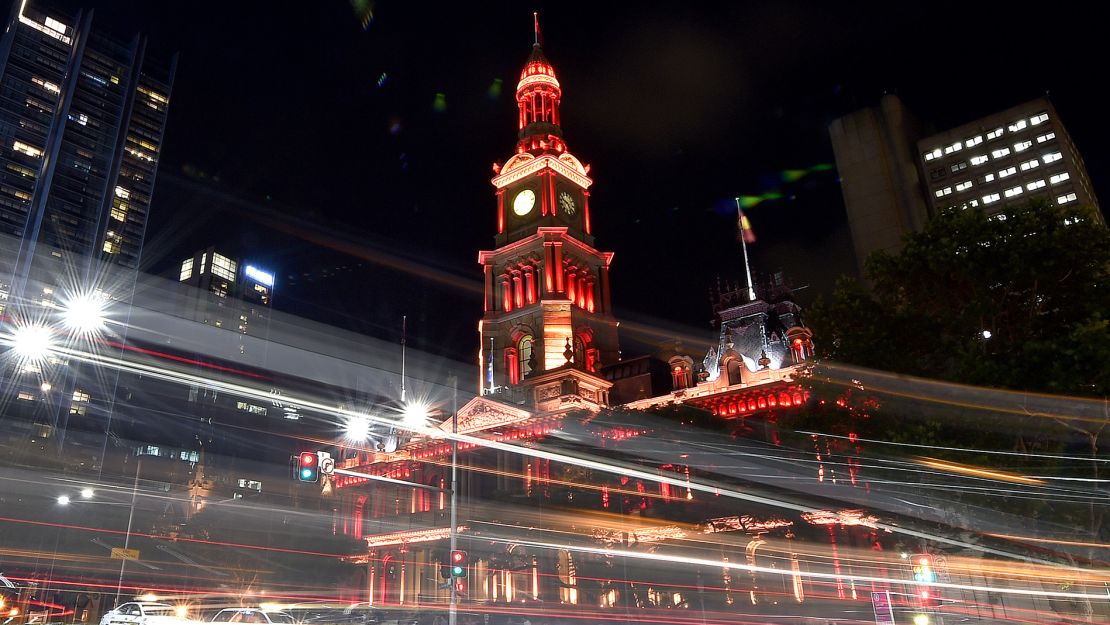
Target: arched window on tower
[732, 366]
[528, 361]
[682, 368]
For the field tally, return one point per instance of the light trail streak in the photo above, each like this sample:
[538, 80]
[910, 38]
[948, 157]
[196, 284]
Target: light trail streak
[675, 558]
[783, 549]
[629, 470]
[1053, 541]
[889, 464]
[169, 539]
[969, 450]
[1096, 407]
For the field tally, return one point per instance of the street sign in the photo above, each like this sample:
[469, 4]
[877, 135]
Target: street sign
[884, 610]
[327, 463]
[940, 563]
[119, 553]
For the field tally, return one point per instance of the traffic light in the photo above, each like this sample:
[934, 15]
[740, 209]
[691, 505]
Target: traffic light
[308, 467]
[924, 574]
[923, 569]
[458, 564]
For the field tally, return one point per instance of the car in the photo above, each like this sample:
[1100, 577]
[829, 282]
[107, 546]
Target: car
[144, 613]
[251, 615]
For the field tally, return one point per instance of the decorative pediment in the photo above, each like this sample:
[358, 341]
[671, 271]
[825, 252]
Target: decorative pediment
[482, 413]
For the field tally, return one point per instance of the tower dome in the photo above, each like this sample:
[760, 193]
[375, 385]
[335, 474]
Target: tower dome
[538, 95]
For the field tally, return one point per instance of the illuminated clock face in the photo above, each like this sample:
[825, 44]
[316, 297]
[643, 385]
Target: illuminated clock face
[566, 202]
[524, 201]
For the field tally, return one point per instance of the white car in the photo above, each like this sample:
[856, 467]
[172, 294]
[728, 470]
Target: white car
[144, 613]
[249, 615]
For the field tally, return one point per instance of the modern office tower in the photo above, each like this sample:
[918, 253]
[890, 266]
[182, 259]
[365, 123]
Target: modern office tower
[894, 177]
[874, 150]
[82, 116]
[225, 292]
[1009, 157]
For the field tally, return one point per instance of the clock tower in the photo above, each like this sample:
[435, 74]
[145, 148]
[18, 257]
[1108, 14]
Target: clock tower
[548, 325]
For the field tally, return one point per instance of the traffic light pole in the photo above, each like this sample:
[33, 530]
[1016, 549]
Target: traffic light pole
[452, 610]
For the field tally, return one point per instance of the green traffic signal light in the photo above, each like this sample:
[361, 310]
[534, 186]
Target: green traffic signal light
[308, 469]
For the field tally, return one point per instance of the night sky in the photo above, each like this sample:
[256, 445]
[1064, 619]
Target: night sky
[309, 137]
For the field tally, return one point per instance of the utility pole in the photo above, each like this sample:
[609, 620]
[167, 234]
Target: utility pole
[453, 609]
[130, 516]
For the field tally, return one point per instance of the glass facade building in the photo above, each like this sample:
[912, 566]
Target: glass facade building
[82, 116]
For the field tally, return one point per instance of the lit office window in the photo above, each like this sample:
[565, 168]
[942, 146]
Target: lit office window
[943, 192]
[123, 193]
[1058, 178]
[974, 141]
[973, 203]
[1036, 184]
[988, 178]
[955, 147]
[186, 269]
[1038, 119]
[80, 395]
[1022, 145]
[1064, 199]
[112, 242]
[1012, 191]
[1046, 137]
[934, 154]
[29, 150]
[994, 134]
[46, 85]
[979, 160]
[963, 186]
[989, 199]
[1001, 152]
[1018, 125]
[224, 267]
[1009, 171]
[1027, 165]
[1051, 157]
[962, 165]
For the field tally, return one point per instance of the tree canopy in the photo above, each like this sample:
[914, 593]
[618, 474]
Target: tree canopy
[1018, 299]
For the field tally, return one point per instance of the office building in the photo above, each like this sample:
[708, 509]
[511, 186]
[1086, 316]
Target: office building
[224, 292]
[895, 174]
[81, 125]
[874, 150]
[1009, 157]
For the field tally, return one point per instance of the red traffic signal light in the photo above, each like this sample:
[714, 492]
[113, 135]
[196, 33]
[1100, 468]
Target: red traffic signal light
[308, 469]
[458, 563]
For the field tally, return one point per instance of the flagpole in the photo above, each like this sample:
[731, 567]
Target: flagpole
[744, 246]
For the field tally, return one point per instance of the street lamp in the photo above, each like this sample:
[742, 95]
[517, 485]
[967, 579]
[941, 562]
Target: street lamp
[357, 429]
[32, 342]
[84, 313]
[415, 414]
[86, 493]
[63, 500]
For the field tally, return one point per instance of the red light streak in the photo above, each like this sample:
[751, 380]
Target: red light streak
[184, 360]
[168, 539]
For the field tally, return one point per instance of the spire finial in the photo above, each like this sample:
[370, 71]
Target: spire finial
[536, 27]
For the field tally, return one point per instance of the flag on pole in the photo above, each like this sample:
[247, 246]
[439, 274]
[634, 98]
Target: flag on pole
[746, 234]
